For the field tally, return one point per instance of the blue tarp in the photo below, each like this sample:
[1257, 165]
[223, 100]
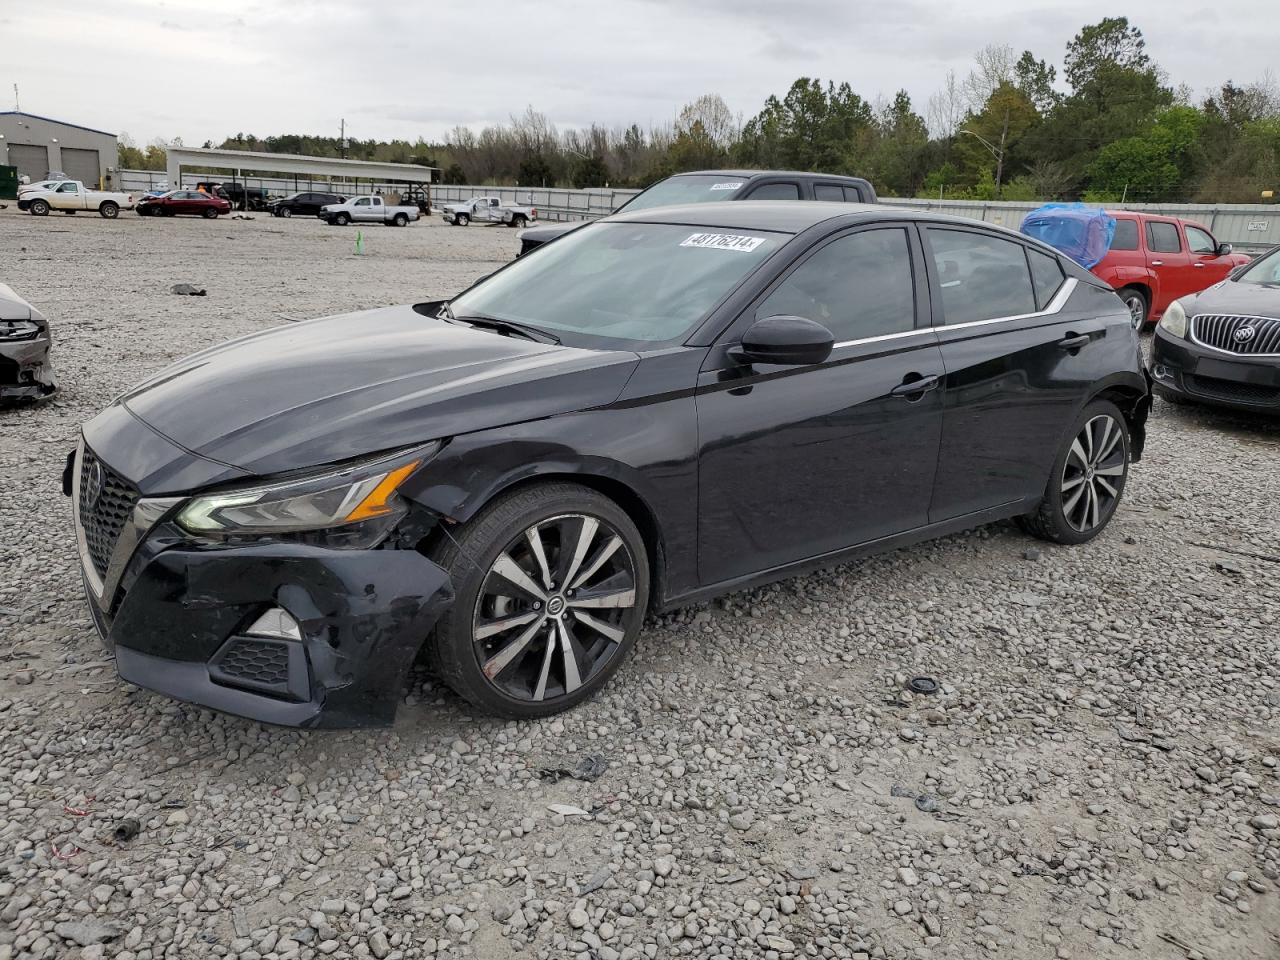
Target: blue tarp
[1083, 233]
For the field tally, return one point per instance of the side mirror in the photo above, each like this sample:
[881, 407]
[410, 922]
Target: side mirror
[798, 341]
[1224, 250]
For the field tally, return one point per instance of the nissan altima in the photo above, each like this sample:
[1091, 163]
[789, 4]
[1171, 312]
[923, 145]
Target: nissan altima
[660, 407]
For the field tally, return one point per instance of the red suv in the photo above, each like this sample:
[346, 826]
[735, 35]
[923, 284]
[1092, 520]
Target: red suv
[1154, 260]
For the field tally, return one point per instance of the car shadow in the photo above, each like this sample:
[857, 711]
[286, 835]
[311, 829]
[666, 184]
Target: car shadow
[1243, 425]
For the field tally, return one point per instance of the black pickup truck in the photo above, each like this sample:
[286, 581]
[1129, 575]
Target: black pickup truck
[712, 185]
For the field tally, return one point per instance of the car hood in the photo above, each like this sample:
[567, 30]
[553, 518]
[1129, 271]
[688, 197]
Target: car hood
[314, 393]
[548, 232]
[1249, 299]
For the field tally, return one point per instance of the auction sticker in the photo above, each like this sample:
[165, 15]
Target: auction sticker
[726, 186]
[723, 241]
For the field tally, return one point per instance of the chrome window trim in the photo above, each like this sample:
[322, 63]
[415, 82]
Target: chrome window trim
[1230, 353]
[144, 516]
[1055, 306]
[884, 336]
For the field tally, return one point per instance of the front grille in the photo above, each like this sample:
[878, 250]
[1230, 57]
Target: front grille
[263, 663]
[1232, 390]
[1246, 336]
[106, 501]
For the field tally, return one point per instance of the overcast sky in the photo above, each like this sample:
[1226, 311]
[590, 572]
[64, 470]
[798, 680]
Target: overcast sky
[204, 71]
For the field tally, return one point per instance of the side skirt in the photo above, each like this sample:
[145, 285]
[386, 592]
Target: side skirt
[895, 541]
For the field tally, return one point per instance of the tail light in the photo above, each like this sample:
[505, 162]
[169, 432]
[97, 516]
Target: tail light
[534, 211]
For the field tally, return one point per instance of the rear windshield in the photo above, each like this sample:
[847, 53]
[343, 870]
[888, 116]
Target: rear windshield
[622, 285]
[699, 188]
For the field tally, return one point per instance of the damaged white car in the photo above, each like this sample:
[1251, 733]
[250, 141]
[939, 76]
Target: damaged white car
[25, 371]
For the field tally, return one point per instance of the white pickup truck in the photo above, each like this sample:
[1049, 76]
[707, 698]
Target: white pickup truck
[488, 210]
[367, 210]
[71, 196]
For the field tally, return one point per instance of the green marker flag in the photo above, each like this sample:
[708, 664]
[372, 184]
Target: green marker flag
[359, 243]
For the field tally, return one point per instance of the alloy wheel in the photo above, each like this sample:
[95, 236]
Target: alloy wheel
[554, 608]
[1093, 475]
[1137, 310]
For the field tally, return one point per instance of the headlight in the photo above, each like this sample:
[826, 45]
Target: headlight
[1174, 321]
[360, 498]
[18, 329]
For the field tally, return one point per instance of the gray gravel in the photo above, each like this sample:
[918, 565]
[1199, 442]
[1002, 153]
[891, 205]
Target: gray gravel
[1095, 777]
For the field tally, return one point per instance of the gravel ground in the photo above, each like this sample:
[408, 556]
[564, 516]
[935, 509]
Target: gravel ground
[1096, 776]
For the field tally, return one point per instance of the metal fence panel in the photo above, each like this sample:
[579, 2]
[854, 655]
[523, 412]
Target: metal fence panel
[1249, 226]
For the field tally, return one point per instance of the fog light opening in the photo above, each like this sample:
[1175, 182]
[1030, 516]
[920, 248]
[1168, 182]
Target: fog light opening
[275, 624]
[1161, 372]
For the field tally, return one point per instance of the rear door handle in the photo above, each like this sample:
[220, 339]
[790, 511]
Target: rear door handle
[1198, 266]
[1157, 263]
[1074, 343]
[908, 389]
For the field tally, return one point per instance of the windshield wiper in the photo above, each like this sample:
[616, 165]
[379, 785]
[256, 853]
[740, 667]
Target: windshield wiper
[503, 326]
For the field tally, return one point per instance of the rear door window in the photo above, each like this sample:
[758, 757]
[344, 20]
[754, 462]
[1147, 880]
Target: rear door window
[1046, 276]
[1126, 237]
[1162, 237]
[982, 277]
[775, 191]
[856, 286]
[853, 195]
[828, 191]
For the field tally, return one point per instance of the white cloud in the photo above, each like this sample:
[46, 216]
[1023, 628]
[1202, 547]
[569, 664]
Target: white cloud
[395, 69]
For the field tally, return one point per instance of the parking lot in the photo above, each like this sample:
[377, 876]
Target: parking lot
[1097, 775]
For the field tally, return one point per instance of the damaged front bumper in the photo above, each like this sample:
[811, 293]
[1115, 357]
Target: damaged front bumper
[283, 633]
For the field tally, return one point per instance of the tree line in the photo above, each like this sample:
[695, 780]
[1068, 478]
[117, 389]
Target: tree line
[1112, 128]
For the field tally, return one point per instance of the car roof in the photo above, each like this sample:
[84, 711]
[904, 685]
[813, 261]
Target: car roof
[746, 174]
[794, 216]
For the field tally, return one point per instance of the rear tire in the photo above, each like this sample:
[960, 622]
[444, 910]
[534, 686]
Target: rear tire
[560, 652]
[109, 210]
[402, 220]
[1088, 478]
[519, 220]
[39, 208]
[1139, 306]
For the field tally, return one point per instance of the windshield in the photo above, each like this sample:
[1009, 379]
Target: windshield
[640, 283]
[1265, 269]
[686, 189]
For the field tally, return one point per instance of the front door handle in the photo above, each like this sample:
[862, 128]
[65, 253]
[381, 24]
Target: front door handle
[1198, 266]
[913, 389]
[1074, 343]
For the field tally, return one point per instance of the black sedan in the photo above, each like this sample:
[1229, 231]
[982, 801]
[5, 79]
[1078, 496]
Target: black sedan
[660, 407]
[1222, 345]
[25, 370]
[303, 204]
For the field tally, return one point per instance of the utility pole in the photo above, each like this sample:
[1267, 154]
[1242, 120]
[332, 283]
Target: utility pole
[17, 107]
[342, 138]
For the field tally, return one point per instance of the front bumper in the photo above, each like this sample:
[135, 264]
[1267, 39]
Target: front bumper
[25, 371]
[1183, 370]
[178, 617]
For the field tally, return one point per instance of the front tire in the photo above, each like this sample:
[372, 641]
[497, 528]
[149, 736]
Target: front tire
[1139, 307]
[39, 208]
[210, 214]
[1088, 478]
[286, 212]
[342, 219]
[109, 210]
[552, 583]
[462, 220]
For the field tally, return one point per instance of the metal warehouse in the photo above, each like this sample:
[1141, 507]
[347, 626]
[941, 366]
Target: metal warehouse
[36, 145]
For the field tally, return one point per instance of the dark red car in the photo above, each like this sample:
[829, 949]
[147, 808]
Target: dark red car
[175, 202]
[1154, 260]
